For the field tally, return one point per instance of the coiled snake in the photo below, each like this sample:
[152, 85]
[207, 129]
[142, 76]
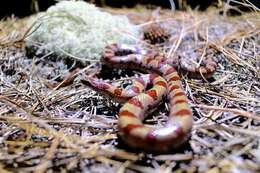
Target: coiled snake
[165, 81]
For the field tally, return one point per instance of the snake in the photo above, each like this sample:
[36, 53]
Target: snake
[166, 83]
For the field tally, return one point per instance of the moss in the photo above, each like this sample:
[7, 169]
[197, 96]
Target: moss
[79, 29]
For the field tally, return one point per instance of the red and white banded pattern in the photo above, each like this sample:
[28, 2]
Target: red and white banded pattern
[166, 82]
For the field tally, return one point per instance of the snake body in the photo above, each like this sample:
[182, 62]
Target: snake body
[166, 82]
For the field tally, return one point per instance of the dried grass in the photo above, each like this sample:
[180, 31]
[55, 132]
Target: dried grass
[73, 128]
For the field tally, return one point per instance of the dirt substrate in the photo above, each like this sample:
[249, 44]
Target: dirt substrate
[73, 128]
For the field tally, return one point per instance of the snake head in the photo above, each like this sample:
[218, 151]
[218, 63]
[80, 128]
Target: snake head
[120, 50]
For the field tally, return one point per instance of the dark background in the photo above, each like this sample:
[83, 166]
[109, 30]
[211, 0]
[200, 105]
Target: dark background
[23, 8]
